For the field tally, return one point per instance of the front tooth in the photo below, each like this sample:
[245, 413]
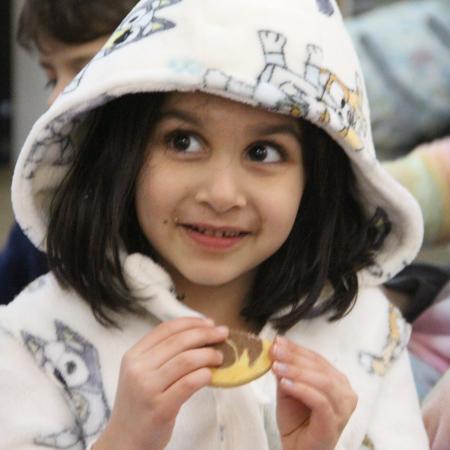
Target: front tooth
[217, 233]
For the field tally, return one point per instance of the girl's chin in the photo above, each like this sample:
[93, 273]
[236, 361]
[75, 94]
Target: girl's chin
[210, 277]
[208, 280]
[211, 274]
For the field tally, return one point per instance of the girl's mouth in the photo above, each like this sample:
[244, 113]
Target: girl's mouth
[216, 232]
[212, 237]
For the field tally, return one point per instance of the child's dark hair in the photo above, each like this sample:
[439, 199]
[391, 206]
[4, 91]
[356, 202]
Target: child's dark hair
[93, 218]
[69, 21]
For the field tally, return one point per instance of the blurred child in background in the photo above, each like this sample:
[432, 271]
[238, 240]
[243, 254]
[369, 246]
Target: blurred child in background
[65, 35]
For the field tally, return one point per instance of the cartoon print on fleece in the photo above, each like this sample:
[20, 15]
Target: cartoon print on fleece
[140, 23]
[74, 364]
[396, 340]
[294, 58]
[317, 94]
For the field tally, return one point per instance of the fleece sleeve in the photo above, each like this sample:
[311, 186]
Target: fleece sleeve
[33, 412]
[396, 422]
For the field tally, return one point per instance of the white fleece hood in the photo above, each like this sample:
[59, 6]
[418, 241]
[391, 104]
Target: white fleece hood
[289, 56]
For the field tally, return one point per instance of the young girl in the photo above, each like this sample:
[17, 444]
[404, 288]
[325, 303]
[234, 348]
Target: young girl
[211, 168]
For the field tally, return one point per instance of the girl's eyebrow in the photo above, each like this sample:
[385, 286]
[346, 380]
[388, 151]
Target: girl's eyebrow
[181, 115]
[282, 128]
[292, 129]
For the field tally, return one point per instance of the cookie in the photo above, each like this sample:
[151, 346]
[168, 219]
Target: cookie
[246, 357]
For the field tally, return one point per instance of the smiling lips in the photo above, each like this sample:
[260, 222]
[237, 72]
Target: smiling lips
[214, 237]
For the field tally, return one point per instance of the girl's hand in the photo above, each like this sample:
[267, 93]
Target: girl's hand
[314, 400]
[157, 376]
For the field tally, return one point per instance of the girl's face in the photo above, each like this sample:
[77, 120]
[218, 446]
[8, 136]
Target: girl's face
[220, 188]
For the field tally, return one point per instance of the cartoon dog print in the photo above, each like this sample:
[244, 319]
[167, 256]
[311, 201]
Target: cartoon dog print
[73, 363]
[317, 93]
[342, 106]
[140, 23]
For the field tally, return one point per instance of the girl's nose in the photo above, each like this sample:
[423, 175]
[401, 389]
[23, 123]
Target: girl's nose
[222, 189]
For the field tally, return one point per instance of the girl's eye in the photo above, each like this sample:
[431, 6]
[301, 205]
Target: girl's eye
[265, 153]
[184, 142]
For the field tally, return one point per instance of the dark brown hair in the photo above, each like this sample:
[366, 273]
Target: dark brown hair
[92, 217]
[331, 240]
[69, 21]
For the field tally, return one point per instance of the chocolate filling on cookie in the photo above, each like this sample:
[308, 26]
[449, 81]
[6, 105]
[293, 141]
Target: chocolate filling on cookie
[236, 344]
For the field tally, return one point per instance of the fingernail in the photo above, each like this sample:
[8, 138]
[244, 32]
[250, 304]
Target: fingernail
[222, 329]
[287, 382]
[280, 368]
[279, 351]
[209, 321]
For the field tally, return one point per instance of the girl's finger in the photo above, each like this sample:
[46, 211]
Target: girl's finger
[180, 392]
[178, 343]
[315, 400]
[323, 420]
[287, 351]
[169, 328]
[337, 391]
[184, 363]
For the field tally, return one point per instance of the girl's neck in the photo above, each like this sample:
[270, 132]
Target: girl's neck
[220, 303]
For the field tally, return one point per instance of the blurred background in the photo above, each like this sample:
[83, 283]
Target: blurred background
[22, 100]
[404, 47]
